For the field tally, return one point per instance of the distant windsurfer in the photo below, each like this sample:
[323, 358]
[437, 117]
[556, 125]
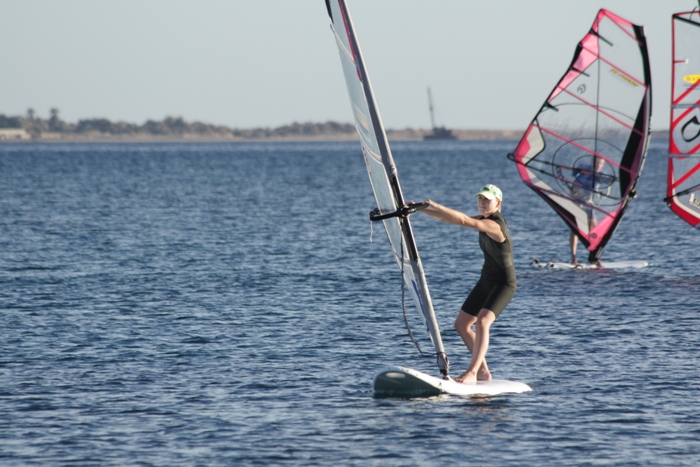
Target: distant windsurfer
[496, 286]
[586, 182]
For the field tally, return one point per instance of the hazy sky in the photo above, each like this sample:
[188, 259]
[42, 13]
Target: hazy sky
[253, 63]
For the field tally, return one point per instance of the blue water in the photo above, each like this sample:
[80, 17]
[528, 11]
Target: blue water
[222, 304]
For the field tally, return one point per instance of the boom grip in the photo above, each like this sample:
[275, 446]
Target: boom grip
[402, 212]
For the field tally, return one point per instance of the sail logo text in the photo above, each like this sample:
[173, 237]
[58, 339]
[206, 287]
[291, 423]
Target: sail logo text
[624, 77]
[692, 79]
[690, 130]
[361, 120]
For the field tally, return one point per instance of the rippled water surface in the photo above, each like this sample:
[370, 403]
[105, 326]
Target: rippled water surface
[222, 304]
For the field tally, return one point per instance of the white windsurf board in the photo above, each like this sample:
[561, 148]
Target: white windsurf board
[400, 381]
[632, 264]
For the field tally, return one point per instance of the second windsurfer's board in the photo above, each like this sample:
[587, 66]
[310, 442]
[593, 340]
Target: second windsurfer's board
[605, 265]
[400, 381]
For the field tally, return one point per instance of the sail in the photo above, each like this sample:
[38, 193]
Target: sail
[584, 150]
[683, 183]
[382, 171]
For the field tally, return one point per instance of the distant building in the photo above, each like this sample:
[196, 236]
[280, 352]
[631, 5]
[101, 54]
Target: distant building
[13, 134]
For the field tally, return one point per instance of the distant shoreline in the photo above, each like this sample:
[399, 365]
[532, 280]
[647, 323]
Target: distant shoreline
[31, 128]
[20, 136]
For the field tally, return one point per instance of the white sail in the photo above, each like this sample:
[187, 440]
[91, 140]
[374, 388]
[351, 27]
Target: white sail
[382, 171]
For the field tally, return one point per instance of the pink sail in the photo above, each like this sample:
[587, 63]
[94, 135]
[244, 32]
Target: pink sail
[684, 142]
[585, 149]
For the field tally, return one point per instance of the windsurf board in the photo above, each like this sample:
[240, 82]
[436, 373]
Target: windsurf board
[400, 381]
[632, 264]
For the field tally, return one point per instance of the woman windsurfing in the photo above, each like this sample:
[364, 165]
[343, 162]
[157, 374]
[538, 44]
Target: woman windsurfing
[497, 284]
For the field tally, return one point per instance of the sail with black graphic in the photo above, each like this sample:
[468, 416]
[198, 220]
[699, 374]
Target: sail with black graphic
[584, 151]
[683, 185]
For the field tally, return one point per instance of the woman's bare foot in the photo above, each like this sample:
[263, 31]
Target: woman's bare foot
[466, 377]
[483, 375]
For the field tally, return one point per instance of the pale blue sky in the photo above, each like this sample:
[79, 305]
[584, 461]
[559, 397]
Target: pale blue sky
[251, 63]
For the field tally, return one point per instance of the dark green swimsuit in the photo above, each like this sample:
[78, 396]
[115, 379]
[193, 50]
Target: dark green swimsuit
[496, 286]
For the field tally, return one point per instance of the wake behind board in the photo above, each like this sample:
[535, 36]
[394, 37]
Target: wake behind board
[400, 381]
[633, 264]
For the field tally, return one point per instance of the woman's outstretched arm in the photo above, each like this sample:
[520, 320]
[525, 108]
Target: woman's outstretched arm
[451, 216]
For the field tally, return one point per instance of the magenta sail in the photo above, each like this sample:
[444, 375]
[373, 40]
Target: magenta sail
[584, 151]
[684, 143]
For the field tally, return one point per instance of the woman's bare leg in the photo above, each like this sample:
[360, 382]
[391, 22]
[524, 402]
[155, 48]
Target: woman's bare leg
[480, 346]
[463, 325]
[573, 241]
